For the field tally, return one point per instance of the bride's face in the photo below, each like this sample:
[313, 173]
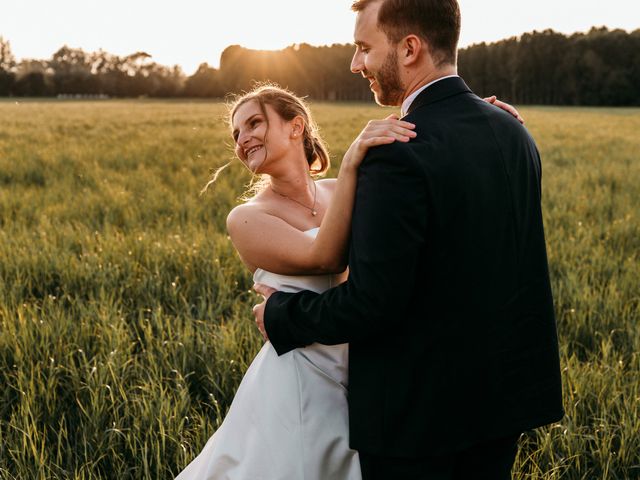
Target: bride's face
[258, 139]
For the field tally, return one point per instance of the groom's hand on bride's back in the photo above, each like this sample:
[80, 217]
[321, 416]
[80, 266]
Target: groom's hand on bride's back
[258, 310]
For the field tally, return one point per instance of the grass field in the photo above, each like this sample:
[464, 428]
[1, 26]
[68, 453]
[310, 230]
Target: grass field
[125, 314]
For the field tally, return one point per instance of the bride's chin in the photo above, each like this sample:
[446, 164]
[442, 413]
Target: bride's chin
[255, 166]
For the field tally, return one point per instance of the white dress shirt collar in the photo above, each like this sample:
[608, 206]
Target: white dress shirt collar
[409, 100]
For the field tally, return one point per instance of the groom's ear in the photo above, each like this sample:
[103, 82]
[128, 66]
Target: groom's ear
[411, 49]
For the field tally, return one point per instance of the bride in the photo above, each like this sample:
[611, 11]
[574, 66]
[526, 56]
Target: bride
[288, 419]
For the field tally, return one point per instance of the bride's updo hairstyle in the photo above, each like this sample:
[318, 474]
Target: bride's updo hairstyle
[288, 106]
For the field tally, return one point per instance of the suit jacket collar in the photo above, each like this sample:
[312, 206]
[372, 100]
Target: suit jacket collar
[439, 91]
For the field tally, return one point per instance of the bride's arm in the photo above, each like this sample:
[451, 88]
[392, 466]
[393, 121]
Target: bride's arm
[268, 242]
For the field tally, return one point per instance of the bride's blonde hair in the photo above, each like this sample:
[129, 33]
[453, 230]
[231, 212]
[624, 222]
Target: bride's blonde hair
[288, 106]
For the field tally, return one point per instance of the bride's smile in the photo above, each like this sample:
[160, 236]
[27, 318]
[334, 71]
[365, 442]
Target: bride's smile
[252, 150]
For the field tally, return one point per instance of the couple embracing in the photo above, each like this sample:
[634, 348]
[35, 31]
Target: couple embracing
[436, 348]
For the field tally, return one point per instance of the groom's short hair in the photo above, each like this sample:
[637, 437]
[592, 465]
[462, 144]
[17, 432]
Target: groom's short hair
[435, 21]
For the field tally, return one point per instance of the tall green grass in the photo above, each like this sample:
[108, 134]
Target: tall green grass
[125, 314]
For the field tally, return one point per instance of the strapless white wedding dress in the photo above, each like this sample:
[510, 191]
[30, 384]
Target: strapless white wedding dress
[288, 419]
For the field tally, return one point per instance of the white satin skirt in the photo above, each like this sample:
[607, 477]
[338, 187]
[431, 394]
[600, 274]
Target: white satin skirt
[288, 421]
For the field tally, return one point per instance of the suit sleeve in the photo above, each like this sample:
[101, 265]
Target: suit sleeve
[387, 241]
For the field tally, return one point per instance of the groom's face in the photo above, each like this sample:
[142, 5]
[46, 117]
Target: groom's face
[376, 59]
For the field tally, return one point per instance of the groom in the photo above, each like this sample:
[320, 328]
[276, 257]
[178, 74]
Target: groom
[448, 308]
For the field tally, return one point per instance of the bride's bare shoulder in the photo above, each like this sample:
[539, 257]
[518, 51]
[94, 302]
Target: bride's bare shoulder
[243, 213]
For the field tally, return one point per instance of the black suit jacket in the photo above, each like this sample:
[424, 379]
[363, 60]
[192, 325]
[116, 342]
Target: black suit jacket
[448, 308]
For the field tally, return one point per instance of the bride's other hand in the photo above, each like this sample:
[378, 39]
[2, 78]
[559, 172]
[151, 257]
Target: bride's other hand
[377, 132]
[258, 310]
[504, 106]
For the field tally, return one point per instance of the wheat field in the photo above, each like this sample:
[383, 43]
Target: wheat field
[125, 314]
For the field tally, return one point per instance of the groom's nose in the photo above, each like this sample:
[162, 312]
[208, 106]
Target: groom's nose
[357, 65]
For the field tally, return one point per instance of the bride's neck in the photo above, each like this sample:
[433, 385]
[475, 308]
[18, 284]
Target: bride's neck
[295, 183]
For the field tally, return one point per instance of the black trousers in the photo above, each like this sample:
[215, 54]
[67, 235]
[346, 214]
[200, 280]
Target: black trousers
[487, 461]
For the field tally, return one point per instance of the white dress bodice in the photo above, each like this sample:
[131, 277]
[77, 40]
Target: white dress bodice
[333, 359]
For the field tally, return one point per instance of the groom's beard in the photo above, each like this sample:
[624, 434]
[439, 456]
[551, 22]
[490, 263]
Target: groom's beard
[389, 83]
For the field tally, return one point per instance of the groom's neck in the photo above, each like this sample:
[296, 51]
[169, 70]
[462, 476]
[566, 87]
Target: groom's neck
[425, 78]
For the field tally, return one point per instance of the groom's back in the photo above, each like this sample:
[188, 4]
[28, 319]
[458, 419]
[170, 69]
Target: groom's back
[484, 218]
[479, 359]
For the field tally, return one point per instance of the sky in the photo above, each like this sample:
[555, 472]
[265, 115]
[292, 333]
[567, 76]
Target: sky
[190, 32]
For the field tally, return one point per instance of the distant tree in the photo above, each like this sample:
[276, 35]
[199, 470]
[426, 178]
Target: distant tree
[7, 60]
[233, 69]
[162, 81]
[72, 72]
[7, 64]
[614, 51]
[205, 82]
[634, 70]
[33, 79]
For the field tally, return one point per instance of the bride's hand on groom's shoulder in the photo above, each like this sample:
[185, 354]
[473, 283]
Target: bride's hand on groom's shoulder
[377, 132]
[505, 106]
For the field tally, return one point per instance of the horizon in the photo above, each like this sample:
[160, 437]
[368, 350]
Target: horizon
[217, 65]
[198, 32]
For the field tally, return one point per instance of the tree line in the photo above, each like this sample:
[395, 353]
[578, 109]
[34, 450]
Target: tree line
[600, 67]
